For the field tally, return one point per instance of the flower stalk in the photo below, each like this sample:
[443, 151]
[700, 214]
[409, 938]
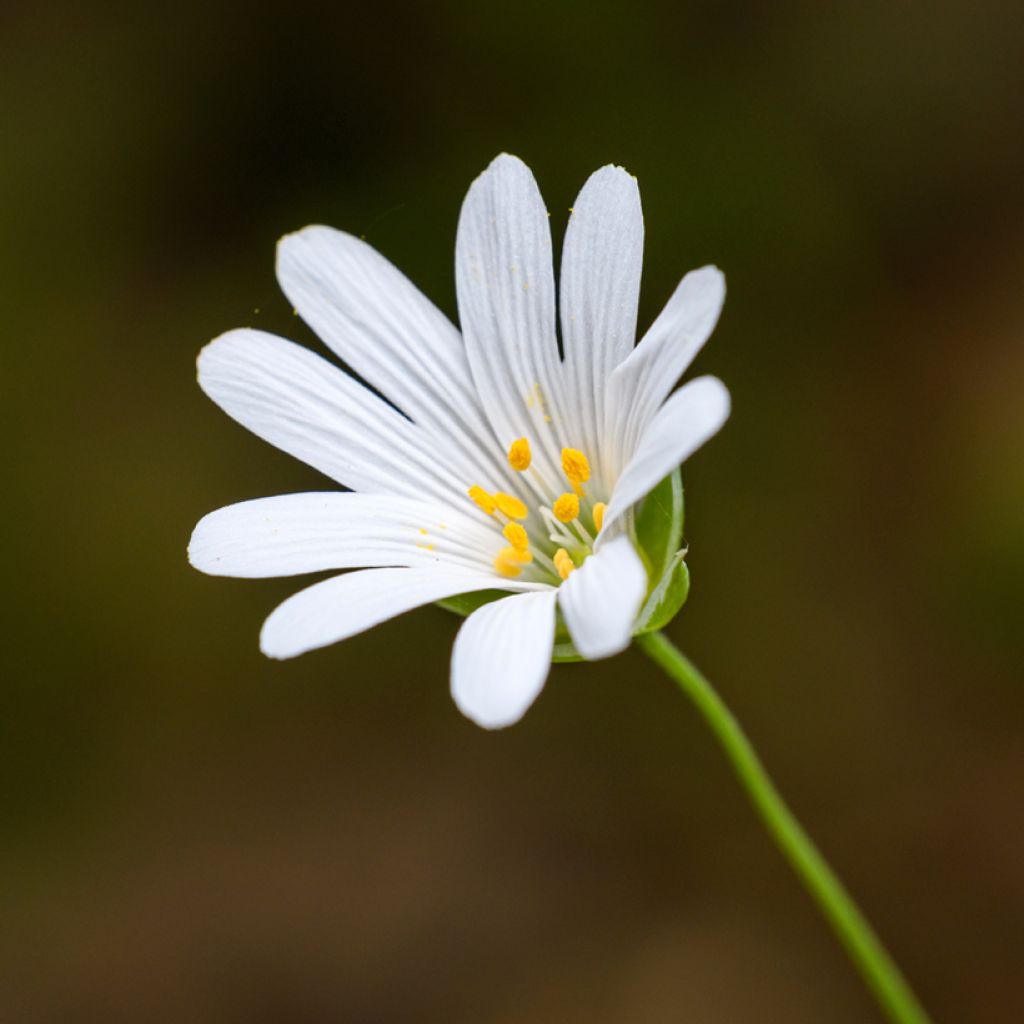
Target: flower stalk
[863, 946]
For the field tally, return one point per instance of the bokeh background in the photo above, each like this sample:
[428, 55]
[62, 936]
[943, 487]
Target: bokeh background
[193, 833]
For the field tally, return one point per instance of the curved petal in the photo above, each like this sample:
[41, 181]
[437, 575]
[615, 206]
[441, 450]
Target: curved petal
[375, 319]
[692, 415]
[342, 606]
[292, 534]
[600, 287]
[642, 382]
[601, 599]
[309, 408]
[502, 656]
[506, 292]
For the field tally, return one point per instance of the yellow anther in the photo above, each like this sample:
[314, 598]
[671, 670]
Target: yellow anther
[517, 555]
[505, 567]
[510, 562]
[563, 563]
[599, 507]
[516, 536]
[566, 508]
[519, 455]
[484, 500]
[510, 505]
[575, 465]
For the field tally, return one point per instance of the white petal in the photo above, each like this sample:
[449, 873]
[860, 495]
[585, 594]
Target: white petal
[298, 533]
[600, 286]
[372, 316]
[643, 381]
[506, 292]
[692, 415]
[342, 606]
[309, 408]
[601, 599]
[502, 656]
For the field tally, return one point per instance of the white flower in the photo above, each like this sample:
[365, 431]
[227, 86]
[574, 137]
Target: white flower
[508, 467]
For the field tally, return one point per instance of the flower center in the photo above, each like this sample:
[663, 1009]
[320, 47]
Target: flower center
[556, 541]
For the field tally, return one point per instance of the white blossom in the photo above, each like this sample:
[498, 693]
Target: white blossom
[509, 466]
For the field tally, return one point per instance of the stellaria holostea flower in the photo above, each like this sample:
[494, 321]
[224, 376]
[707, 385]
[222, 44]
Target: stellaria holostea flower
[510, 467]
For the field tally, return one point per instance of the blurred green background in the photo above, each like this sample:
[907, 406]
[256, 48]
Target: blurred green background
[194, 833]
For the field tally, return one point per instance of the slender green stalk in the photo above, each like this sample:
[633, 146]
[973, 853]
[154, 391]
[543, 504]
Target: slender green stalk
[863, 946]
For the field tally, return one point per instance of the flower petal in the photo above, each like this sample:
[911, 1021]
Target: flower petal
[373, 317]
[642, 382]
[309, 408]
[506, 292]
[601, 599]
[502, 656]
[342, 606]
[692, 415]
[298, 533]
[600, 287]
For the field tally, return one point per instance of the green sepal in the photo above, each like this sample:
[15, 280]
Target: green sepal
[667, 597]
[466, 604]
[565, 652]
[658, 523]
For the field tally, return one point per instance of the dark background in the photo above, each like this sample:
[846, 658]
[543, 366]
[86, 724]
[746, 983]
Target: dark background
[191, 832]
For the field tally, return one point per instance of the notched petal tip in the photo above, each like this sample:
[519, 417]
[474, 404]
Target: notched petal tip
[292, 238]
[314, 234]
[510, 159]
[197, 552]
[212, 351]
[610, 190]
[221, 351]
[504, 167]
[615, 173]
[708, 279]
[272, 646]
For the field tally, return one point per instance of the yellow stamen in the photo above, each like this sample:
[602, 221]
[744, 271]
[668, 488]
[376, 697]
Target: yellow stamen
[504, 567]
[563, 563]
[510, 562]
[566, 508]
[599, 507]
[516, 536]
[511, 554]
[519, 455]
[484, 500]
[575, 466]
[510, 505]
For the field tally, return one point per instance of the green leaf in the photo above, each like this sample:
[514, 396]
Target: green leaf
[667, 597]
[658, 523]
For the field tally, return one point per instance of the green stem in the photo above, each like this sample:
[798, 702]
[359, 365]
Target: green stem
[863, 946]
